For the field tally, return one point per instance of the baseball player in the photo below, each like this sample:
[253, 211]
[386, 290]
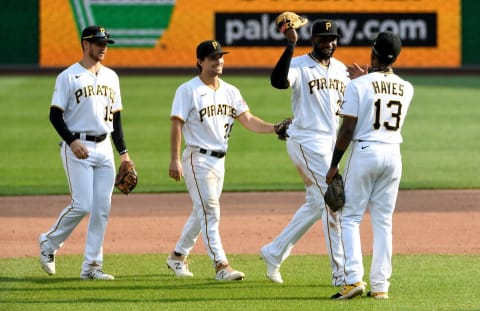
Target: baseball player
[373, 111]
[318, 83]
[85, 111]
[203, 111]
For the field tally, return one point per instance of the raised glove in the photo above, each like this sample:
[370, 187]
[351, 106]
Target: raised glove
[335, 194]
[282, 127]
[288, 20]
[126, 178]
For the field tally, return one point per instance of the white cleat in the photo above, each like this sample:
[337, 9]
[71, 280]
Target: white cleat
[47, 259]
[227, 273]
[273, 272]
[97, 275]
[180, 267]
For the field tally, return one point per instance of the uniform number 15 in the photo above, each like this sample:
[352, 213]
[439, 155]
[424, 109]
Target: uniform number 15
[108, 117]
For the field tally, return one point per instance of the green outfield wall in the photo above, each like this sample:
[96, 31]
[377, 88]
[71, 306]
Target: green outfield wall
[19, 28]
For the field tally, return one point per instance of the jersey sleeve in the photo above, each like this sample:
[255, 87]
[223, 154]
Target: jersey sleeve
[239, 103]
[61, 92]
[117, 105]
[350, 101]
[181, 103]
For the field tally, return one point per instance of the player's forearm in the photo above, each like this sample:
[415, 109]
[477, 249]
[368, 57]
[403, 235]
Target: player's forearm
[279, 75]
[175, 140]
[56, 118]
[255, 124]
[117, 134]
[344, 138]
[262, 127]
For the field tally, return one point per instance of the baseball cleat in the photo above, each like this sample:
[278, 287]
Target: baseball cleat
[227, 273]
[47, 259]
[378, 295]
[97, 275]
[273, 272]
[350, 291]
[180, 267]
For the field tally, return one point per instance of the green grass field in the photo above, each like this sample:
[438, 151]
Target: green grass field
[440, 151]
[420, 282]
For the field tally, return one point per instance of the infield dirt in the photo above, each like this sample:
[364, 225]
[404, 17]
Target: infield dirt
[437, 222]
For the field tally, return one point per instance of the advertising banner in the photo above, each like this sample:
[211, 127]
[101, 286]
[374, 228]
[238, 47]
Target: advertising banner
[165, 33]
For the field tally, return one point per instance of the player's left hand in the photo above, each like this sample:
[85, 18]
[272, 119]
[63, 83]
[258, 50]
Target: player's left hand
[127, 178]
[290, 20]
[281, 128]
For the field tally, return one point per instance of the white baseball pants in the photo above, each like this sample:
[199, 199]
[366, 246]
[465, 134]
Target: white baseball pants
[91, 185]
[372, 177]
[204, 176]
[312, 166]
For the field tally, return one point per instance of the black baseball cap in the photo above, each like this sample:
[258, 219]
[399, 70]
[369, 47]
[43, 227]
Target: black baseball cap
[96, 34]
[387, 46]
[324, 27]
[208, 48]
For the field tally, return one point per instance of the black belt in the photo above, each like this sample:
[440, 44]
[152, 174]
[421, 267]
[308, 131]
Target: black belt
[97, 139]
[213, 153]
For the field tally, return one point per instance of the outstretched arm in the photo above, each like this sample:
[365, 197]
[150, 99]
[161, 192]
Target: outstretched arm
[255, 124]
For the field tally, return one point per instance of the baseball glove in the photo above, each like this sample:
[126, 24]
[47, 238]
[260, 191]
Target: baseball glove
[335, 194]
[282, 127]
[288, 20]
[126, 178]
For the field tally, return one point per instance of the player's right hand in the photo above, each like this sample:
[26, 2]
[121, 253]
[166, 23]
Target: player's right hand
[176, 170]
[330, 174]
[79, 149]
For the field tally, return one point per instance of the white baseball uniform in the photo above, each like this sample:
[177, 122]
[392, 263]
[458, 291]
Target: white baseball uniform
[208, 117]
[317, 93]
[88, 102]
[380, 102]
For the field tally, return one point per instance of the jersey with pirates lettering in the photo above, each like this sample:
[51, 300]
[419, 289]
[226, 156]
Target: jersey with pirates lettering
[88, 101]
[317, 94]
[210, 113]
[380, 101]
